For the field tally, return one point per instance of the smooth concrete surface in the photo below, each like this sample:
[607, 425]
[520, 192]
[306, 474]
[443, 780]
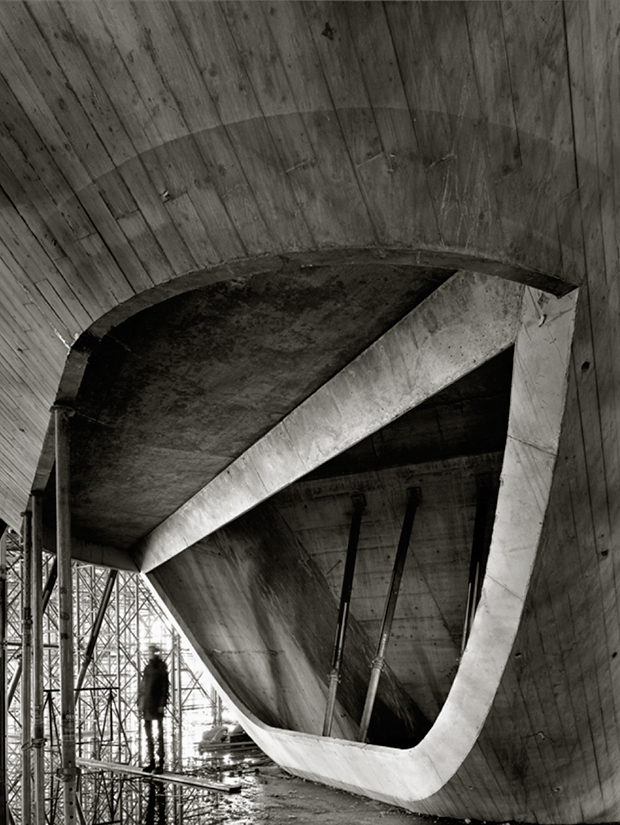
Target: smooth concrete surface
[462, 324]
[171, 396]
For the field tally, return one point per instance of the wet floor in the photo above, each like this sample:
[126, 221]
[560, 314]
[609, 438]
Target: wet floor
[278, 798]
[263, 794]
[272, 796]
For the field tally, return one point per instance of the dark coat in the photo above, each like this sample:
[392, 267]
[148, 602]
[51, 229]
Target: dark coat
[154, 686]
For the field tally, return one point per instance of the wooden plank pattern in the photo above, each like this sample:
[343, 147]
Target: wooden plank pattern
[400, 154]
[431, 607]
[289, 106]
[141, 142]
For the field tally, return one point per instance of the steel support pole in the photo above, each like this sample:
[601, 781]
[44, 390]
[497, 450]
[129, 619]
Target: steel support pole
[179, 714]
[4, 812]
[180, 818]
[413, 499]
[359, 505]
[65, 612]
[38, 741]
[49, 586]
[477, 563]
[26, 685]
[94, 634]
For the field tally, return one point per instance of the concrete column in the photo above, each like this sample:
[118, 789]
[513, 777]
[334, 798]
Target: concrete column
[37, 658]
[26, 681]
[65, 612]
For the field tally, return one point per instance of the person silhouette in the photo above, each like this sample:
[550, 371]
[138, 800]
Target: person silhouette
[152, 701]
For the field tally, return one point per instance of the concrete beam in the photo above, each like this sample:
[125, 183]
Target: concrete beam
[464, 323]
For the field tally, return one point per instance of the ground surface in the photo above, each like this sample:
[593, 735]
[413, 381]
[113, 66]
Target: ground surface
[267, 796]
[273, 797]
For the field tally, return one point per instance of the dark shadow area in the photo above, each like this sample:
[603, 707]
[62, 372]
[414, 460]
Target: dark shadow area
[156, 805]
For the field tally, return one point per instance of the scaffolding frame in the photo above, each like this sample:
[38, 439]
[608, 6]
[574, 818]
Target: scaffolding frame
[110, 652]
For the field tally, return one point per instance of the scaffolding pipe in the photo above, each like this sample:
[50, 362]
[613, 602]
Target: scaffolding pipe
[178, 791]
[65, 611]
[4, 812]
[94, 634]
[26, 686]
[179, 697]
[359, 504]
[413, 499]
[47, 592]
[479, 552]
[38, 698]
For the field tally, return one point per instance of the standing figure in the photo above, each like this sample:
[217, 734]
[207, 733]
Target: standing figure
[152, 700]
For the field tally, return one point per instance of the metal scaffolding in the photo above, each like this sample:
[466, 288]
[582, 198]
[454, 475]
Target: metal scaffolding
[116, 616]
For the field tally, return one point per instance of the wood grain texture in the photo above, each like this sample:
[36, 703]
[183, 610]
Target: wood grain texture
[135, 150]
[146, 144]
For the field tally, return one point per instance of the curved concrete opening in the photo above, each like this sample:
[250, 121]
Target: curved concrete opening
[542, 340]
[456, 323]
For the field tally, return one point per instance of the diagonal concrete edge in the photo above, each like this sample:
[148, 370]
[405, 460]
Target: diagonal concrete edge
[466, 321]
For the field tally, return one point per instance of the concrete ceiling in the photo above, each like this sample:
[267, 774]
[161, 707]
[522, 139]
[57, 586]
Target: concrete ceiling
[171, 396]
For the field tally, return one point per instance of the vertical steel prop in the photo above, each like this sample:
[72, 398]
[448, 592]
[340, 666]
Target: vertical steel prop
[479, 552]
[38, 698]
[359, 505]
[26, 687]
[3, 671]
[65, 612]
[49, 586]
[413, 499]
[178, 791]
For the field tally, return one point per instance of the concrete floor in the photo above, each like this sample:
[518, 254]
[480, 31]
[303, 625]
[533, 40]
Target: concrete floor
[274, 797]
[278, 798]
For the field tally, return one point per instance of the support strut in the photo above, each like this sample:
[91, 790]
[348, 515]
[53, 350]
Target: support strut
[4, 812]
[65, 612]
[413, 499]
[94, 634]
[479, 553]
[38, 740]
[47, 592]
[359, 505]
[26, 688]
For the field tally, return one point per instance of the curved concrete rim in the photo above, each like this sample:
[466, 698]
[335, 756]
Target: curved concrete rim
[240, 269]
[408, 777]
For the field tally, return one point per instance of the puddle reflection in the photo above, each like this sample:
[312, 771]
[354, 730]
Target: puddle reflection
[156, 805]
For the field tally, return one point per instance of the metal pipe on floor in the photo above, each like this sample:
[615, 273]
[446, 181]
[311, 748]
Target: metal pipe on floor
[94, 634]
[65, 611]
[26, 686]
[413, 499]
[4, 813]
[359, 505]
[38, 740]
